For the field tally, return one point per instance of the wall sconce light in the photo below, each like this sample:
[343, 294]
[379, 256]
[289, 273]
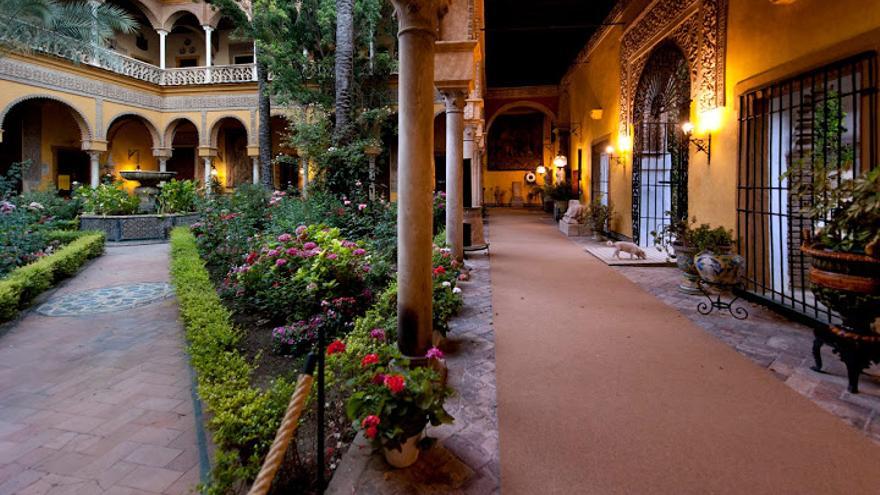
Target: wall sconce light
[560, 161]
[541, 170]
[704, 145]
[596, 114]
[214, 172]
[609, 150]
[624, 143]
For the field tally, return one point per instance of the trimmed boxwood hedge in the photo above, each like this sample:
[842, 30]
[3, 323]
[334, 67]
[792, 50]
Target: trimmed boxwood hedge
[25, 283]
[244, 418]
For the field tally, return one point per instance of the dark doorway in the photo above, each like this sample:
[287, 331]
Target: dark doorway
[73, 169]
[439, 173]
[183, 161]
[468, 187]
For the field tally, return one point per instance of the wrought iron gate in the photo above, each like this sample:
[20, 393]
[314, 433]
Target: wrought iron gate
[660, 149]
[828, 114]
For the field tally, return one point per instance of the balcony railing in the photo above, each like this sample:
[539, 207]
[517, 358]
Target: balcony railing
[26, 37]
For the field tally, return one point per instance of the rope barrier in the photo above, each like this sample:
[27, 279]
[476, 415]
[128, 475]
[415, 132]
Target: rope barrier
[285, 432]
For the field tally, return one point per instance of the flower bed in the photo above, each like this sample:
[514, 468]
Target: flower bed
[23, 284]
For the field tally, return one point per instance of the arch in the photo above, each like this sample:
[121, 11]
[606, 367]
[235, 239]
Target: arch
[151, 127]
[85, 129]
[215, 16]
[171, 130]
[147, 12]
[660, 105]
[215, 129]
[520, 104]
[181, 10]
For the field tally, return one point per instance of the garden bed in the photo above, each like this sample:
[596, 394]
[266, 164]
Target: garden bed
[23, 284]
[136, 227]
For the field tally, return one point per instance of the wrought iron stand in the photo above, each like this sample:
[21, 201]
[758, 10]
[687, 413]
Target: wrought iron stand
[715, 301]
[856, 350]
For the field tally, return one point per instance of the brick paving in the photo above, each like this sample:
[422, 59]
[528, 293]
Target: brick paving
[782, 346]
[99, 403]
[466, 458]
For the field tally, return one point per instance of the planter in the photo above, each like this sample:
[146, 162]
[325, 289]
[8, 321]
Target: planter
[720, 269]
[136, 227]
[684, 259]
[848, 283]
[406, 455]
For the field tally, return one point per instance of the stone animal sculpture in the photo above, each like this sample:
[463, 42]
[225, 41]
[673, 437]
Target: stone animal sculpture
[627, 247]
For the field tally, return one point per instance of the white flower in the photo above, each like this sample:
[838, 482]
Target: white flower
[446, 283]
[456, 290]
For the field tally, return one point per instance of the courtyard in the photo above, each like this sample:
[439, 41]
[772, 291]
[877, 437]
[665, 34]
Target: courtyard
[439, 247]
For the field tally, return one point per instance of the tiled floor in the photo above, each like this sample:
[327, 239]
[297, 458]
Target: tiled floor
[778, 344]
[99, 403]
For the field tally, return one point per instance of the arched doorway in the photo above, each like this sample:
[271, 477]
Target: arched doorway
[130, 142]
[47, 135]
[183, 136]
[229, 137]
[660, 148]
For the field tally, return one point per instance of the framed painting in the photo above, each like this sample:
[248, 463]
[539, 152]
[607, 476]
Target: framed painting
[516, 142]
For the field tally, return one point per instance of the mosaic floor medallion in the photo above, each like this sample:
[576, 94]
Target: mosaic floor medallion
[106, 299]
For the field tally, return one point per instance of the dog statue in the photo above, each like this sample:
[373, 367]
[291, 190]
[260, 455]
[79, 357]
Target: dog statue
[627, 247]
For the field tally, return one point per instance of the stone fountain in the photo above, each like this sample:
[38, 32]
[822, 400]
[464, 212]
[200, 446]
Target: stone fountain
[147, 189]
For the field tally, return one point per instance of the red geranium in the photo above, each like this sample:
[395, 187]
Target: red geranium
[369, 359]
[371, 432]
[337, 346]
[439, 271]
[251, 257]
[395, 383]
[371, 420]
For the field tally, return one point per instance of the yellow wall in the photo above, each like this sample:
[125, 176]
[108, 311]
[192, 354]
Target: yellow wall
[765, 42]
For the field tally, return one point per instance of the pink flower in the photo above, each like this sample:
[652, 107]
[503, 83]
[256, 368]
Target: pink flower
[378, 379]
[434, 353]
[377, 333]
[309, 246]
[332, 256]
[359, 252]
[292, 251]
[280, 262]
[284, 238]
[369, 359]
[346, 202]
[299, 230]
[395, 383]
[362, 207]
[272, 253]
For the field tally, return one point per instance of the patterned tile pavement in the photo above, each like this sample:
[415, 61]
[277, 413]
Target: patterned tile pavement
[99, 403]
[466, 460]
[107, 299]
[782, 346]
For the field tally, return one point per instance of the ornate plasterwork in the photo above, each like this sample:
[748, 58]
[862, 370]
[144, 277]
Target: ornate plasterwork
[39, 76]
[698, 27]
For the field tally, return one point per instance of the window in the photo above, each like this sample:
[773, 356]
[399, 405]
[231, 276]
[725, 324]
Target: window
[599, 173]
[827, 114]
[243, 59]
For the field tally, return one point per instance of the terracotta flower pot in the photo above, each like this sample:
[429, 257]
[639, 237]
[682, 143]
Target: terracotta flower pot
[848, 283]
[406, 455]
[720, 269]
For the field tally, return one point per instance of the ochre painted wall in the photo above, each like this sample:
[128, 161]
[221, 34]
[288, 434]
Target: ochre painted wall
[765, 42]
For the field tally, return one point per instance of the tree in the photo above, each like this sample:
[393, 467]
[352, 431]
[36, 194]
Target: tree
[260, 22]
[344, 69]
[22, 20]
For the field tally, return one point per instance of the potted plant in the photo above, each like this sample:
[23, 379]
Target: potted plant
[560, 193]
[393, 401]
[598, 216]
[682, 242]
[714, 261]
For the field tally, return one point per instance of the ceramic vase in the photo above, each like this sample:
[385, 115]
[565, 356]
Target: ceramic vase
[406, 455]
[720, 269]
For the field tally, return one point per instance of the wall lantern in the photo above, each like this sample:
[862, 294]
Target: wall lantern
[214, 172]
[624, 143]
[541, 170]
[560, 161]
[609, 150]
[710, 121]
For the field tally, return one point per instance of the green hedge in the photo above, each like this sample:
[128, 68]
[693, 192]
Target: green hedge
[25, 283]
[243, 418]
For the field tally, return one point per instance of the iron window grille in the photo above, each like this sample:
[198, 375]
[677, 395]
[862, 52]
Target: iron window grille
[826, 114]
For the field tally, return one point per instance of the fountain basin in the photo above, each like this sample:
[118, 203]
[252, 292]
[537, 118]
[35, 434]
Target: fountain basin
[147, 190]
[136, 227]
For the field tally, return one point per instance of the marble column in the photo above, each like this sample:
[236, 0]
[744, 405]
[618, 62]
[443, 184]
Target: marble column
[305, 176]
[94, 168]
[255, 164]
[418, 20]
[208, 162]
[454, 99]
[208, 31]
[372, 152]
[469, 151]
[163, 164]
[162, 34]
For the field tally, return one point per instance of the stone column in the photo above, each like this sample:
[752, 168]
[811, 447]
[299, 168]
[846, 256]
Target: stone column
[305, 174]
[255, 164]
[477, 167]
[163, 164]
[208, 31]
[372, 152]
[454, 99]
[162, 34]
[469, 151]
[94, 168]
[208, 162]
[418, 21]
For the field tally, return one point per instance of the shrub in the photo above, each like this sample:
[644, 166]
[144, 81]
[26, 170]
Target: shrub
[228, 223]
[107, 199]
[288, 277]
[19, 288]
[178, 196]
[22, 240]
[244, 418]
